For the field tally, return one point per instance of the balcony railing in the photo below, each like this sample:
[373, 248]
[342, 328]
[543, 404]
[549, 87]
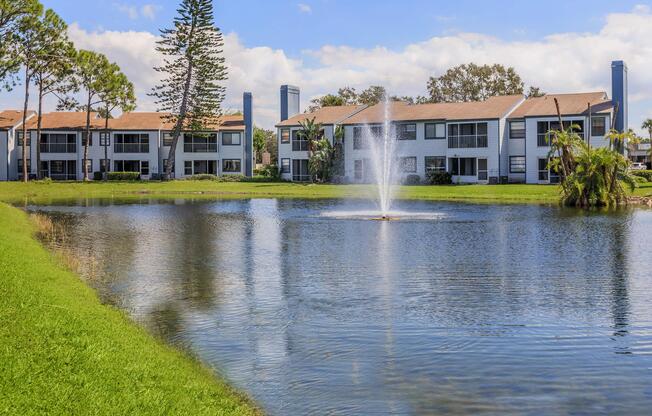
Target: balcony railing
[58, 147]
[199, 147]
[467, 141]
[131, 148]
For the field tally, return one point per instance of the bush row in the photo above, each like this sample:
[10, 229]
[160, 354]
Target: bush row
[647, 174]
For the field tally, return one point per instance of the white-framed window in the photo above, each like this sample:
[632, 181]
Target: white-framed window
[406, 131]
[285, 165]
[83, 139]
[543, 169]
[483, 173]
[300, 172]
[435, 163]
[285, 136]
[517, 129]
[517, 164]
[435, 131]
[131, 143]
[598, 126]
[358, 169]
[105, 138]
[407, 164]
[187, 167]
[89, 164]
[467, 135]
[140, 166]
[58, 143]
[200, 142]
[104, 165]
[231, 138]
[19, 138]
[231, 165]
[167, 138]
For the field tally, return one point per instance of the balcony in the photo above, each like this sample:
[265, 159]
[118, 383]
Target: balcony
[544, 141]
[58, 148]
[467, 141]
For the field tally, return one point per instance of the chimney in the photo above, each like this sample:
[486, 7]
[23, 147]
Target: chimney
[247, 110]
[289, 101]
[619, 94]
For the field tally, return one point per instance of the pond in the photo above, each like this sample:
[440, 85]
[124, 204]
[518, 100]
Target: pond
[473, 309]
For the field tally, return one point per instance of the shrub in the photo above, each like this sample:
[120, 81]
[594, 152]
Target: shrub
[640, 179]
[412, 180]
[647, 174]
[123, 176]
[439, 178]
[232, 178]
[97, 176]
[269, 171]
[203, 177]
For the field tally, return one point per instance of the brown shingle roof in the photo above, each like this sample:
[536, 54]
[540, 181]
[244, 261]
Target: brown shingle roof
[66, 120]
[569, 104]
[11, 118]
[157, 121]
[324, 115]
[492, 108]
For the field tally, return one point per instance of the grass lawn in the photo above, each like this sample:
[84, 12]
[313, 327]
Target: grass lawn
[63, 352]
[49, 192]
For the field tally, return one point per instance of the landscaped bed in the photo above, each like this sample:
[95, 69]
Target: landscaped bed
[63, 352]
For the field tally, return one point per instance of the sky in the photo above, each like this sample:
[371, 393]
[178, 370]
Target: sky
[321, 45]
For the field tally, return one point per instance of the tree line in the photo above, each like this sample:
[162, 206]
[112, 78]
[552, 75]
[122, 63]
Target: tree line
[35, 51]
[462, 83]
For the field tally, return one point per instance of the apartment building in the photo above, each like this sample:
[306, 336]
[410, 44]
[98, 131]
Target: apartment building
[500, 140]
[10, 122]
[134, 142]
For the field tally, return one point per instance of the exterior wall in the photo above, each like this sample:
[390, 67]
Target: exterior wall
[4, 155]
[515, 147]
[533, 152]
[285, 149]
[224, 152]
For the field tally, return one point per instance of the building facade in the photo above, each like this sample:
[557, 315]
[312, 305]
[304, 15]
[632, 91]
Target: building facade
[500, 140]
[134, 142]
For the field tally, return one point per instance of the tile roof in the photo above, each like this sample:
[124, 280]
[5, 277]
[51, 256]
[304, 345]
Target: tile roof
[569, 104]
[66, 120]
[11, 118]
[492, 108]
[157, 121]
[324, 115]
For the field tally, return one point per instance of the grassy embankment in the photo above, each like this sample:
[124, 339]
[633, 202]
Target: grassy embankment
[63, 352]
[44, 192]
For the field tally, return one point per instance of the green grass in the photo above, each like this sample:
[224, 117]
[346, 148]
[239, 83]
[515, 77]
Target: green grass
[64, 353]
[51, 192]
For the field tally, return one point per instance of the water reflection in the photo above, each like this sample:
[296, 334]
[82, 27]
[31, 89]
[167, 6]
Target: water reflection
[489, 309]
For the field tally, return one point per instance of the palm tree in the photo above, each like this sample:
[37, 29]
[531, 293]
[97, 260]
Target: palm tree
[647, 125]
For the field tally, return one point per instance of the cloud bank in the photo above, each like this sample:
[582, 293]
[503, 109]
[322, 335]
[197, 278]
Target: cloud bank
[564, 62]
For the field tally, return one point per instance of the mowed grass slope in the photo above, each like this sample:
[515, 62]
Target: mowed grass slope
[64, 353]
[52, 192]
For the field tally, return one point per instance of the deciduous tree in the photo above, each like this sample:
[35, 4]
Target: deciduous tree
[471, 82]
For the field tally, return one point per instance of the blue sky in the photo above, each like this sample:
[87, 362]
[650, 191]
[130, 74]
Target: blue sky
[321, 45]
[297, 25]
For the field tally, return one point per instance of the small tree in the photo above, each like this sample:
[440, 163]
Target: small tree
[93, 72]
[321, 160]
[117, 93]
[191, 91]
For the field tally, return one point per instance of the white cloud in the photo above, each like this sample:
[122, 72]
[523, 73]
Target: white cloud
[304, 8]
[149, 11]
[565, 62]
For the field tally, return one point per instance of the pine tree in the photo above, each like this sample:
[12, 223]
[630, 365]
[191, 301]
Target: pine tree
[12, 13]
[193, 67]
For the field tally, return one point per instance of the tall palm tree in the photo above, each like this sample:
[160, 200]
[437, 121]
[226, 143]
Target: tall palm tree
[311, 131]
[647, 125]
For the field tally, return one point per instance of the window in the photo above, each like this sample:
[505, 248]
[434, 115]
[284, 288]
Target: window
[408, 164]
[83, 139]
[358, 141]
[230, 138]
[168, 138]
[20, 166]
[231, 165]
[285, 136]
[543, 170]
[377, 132]
[517, 164]
[482, 170]
[517, 129]
[105, 139]
[144, 167]
[435, 131]
[358, 169]
[598, 126]
[199, 143]
[285, 165]
[200, 167]
[299, 141]
[89, 164]
[406, 131]
[61, 170]
[462, 166]
[187, 167]
[435, 163]
[467, 135]
[105, 165]
[300, 170]
[131, 166]
[19, 138]
[131, 143]
[58, 143]
[543, 127]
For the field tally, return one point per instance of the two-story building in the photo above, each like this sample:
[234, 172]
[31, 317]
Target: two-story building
[134, 142]
[500, 140]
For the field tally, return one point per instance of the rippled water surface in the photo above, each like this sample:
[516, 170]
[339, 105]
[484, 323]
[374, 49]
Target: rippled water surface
[473, 309]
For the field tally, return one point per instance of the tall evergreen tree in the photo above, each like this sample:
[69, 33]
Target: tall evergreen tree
[193, 67]
[12, 13]
[53, 73]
